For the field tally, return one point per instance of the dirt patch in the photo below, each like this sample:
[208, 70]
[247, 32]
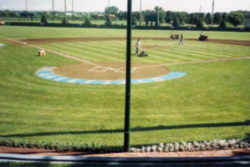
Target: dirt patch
[231, 42]
[109, 71]
[213, 153]
[86, 39]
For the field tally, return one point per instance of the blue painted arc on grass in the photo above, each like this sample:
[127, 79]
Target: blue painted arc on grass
[47, 73]
[1, 44]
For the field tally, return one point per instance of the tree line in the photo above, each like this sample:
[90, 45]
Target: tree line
[151, 18]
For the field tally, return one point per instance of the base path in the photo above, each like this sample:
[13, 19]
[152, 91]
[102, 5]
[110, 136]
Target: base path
[48, 73]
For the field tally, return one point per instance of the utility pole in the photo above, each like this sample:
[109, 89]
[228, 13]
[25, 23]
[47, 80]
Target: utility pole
[140, 12]
[65, 7]
[26, 5]
[213, 5]
[158, 16]
[72, 7]
[128, 79]
[53, 9]
[53, 6]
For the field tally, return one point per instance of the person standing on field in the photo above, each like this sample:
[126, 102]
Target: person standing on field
[181, 41]
[137, 46]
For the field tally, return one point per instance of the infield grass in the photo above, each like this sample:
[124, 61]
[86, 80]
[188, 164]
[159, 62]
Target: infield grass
[211, 102]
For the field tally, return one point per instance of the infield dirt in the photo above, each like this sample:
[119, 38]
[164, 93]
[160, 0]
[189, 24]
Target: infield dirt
[109, 71]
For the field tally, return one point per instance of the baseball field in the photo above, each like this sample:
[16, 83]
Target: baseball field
[211, 101]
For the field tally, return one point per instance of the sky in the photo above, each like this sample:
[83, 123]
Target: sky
[99, 5]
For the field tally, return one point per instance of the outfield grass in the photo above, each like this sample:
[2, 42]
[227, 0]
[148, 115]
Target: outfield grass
[211, 102]
[45, 32]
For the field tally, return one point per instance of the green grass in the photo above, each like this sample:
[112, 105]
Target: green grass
[195, 107]
[192, 51]
[45, 32]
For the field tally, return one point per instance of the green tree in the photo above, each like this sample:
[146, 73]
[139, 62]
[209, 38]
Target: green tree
[223, 24]
[44, 20]
[149, 17]
[217, 18]
[134, 20]
[199, 23]
[176, 22]
[236, 18]
[161, 14]
[112, 10]
[87, 21]
[183, 17]
[108, 21]
[65, 21]
[169, 17]
[208, 19]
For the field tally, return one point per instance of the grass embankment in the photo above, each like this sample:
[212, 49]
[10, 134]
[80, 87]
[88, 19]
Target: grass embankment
[211, 102]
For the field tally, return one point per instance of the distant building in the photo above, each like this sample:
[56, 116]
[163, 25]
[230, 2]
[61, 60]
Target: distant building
[247, 21]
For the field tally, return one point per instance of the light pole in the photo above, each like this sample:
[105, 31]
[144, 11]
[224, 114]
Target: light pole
[213, 12]
[65, 7]
[26, 5]
[140, 12]
[72, 7]
[53, 5]
[128, 79]
[158, 17]
[53, 9]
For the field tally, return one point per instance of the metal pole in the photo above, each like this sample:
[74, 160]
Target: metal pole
[72, 7]
[140, 12]
[212, 12]
[128, 79]
[158, 17]
[53, 6]
[26, 5]
[65, 7]
[53, 9]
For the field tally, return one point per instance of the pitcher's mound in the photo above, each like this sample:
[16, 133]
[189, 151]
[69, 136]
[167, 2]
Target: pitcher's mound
[110, 71]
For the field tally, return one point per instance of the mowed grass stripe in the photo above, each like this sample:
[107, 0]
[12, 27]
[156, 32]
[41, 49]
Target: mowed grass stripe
[88, 55]
[117, 47]
[135, 58]
[165, 53]
[176, 55]
[153, 56]
[191, 56]
[108, 50]
[161, 57]
[60, 49]
[211, 53]
[151, 59]
[230, 50]
[203, 53]
[197, 51]
[102, 54]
